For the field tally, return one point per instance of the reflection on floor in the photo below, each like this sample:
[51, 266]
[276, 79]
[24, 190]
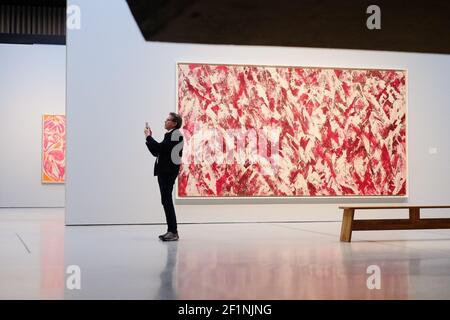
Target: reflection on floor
[217, 261]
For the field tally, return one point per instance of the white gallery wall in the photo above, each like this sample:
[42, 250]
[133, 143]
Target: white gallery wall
[117, 81]
[32, 83]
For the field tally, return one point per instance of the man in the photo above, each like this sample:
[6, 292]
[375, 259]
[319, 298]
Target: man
[168, 159]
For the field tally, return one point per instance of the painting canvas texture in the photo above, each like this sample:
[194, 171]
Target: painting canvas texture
[53, 148]
[271, 131]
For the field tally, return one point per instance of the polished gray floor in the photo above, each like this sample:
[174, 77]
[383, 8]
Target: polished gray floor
[216, 261]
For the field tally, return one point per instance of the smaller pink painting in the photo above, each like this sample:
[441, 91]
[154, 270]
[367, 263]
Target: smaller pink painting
[53, 148]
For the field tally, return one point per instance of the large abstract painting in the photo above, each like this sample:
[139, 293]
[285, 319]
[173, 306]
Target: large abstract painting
[53, 148]
[267, 131]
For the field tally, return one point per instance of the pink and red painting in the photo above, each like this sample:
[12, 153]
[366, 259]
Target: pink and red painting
[53, 148]
[274, 131]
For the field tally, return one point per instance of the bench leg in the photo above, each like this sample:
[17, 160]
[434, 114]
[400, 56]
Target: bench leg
[347, 222]
[414, 215]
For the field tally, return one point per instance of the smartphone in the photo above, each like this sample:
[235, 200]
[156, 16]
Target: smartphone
[146, 125]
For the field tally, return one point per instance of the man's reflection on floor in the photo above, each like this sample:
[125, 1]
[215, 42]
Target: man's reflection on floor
[166, 290]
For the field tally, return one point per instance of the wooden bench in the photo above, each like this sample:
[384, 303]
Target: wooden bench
[414, 222]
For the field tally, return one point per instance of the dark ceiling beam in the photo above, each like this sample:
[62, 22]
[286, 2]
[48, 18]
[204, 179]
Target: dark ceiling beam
[413, 26]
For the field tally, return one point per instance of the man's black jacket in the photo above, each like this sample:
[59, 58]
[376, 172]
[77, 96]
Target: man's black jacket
[163, 152]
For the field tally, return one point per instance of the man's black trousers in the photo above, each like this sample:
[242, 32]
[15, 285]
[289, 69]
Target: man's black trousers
[166, 182]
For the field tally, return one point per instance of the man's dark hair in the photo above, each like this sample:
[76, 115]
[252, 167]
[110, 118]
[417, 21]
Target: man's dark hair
[176, 118]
